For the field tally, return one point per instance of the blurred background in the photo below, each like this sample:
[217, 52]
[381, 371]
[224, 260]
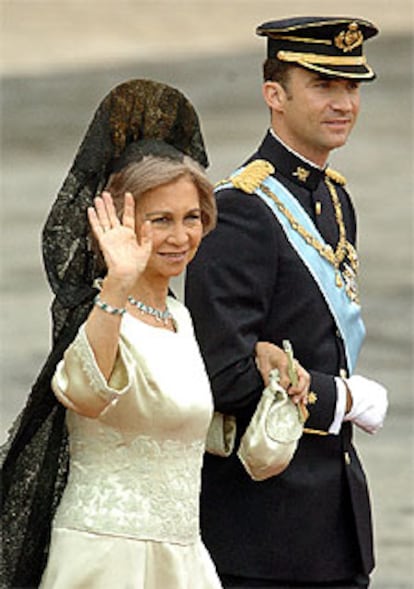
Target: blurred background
[58, 60]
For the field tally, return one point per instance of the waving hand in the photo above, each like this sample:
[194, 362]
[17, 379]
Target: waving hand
[125, 256]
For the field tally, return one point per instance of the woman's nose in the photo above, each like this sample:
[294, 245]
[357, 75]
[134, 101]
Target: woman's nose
[178, 234]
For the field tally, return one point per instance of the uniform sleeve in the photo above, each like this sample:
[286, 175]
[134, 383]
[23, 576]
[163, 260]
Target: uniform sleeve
[327, 410]
[79, 384]
[230, 287]
[228, 291]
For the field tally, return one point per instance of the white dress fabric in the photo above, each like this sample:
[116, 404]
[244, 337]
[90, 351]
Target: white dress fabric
[129, 515]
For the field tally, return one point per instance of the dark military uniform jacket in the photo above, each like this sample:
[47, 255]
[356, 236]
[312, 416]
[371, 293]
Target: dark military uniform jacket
[247, 284]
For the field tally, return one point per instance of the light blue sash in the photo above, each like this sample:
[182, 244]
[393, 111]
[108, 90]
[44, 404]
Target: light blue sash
[346, 313]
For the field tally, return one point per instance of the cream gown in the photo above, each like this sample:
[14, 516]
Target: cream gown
[129, 516]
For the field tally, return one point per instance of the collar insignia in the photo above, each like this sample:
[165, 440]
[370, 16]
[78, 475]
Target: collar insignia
[301, 174]
[349, 39]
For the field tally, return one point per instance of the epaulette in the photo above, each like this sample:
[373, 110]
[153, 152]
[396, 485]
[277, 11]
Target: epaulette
[335, 176]
[251, 176]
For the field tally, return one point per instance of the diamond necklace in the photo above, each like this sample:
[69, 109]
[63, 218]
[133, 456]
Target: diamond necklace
[162, 316]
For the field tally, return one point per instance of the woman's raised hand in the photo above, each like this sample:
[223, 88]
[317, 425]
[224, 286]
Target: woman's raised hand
[125, 255]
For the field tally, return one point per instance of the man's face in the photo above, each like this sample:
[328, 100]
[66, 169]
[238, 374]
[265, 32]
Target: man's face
[315, 114]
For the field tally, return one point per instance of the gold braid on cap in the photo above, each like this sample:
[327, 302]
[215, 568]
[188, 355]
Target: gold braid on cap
[314, 58]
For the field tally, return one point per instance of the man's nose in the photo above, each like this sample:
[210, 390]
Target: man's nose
[343, 100]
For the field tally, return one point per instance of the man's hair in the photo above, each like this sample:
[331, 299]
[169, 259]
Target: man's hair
[275, 70]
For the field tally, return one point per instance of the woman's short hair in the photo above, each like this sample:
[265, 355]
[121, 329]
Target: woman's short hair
[154, 171]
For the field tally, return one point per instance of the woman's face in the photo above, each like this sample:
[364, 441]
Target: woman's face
[177, 230]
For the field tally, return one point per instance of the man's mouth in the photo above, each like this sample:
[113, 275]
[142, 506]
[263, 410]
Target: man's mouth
[338, 122]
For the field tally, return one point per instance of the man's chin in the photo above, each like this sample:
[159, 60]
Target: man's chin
[338, 141]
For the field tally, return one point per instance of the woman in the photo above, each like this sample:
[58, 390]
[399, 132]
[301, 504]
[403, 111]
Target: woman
[131, 380]
[137, 395]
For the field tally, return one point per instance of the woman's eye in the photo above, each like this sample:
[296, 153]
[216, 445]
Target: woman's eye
[160, 221]
[193, 218]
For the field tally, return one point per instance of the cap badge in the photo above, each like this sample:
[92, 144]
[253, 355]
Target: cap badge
[301, 174]
[349, 39]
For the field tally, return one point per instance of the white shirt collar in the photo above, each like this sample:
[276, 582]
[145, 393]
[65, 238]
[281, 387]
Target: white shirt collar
[295, 153]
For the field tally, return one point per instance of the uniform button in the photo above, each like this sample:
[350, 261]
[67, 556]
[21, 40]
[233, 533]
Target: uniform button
[347, 458]
[343, 373]
[338, 333]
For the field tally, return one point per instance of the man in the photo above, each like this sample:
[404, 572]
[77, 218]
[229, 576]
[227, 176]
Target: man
[282, 265]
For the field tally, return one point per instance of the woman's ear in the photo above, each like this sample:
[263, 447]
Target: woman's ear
[274, 95]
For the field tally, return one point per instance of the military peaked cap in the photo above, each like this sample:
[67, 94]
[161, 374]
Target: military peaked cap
[331, 46]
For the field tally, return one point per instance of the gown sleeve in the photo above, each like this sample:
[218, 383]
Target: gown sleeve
[79, 384]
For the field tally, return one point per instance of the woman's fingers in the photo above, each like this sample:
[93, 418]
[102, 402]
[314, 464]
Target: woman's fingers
[110, 211]
[95, 223]
[101, 213]
[269, 356]
[104, 217]
[299, 393]
[146, 234]
[128, 216]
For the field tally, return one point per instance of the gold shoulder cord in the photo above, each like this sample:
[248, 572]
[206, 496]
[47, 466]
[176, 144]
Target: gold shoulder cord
[252, 177]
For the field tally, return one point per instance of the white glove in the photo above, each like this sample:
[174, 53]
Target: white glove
[369, 403]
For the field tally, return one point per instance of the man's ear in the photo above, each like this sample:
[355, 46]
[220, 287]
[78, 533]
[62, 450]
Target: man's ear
[274, 95]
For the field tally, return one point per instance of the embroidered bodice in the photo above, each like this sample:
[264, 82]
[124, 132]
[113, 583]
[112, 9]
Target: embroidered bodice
[146, 489]
[135, 470]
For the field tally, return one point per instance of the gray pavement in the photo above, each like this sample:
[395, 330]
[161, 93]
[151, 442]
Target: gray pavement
[43, 119]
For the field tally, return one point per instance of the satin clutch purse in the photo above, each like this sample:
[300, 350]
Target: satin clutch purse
[271, 438]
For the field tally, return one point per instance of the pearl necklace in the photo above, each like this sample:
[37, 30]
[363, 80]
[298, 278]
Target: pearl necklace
[162, 316]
